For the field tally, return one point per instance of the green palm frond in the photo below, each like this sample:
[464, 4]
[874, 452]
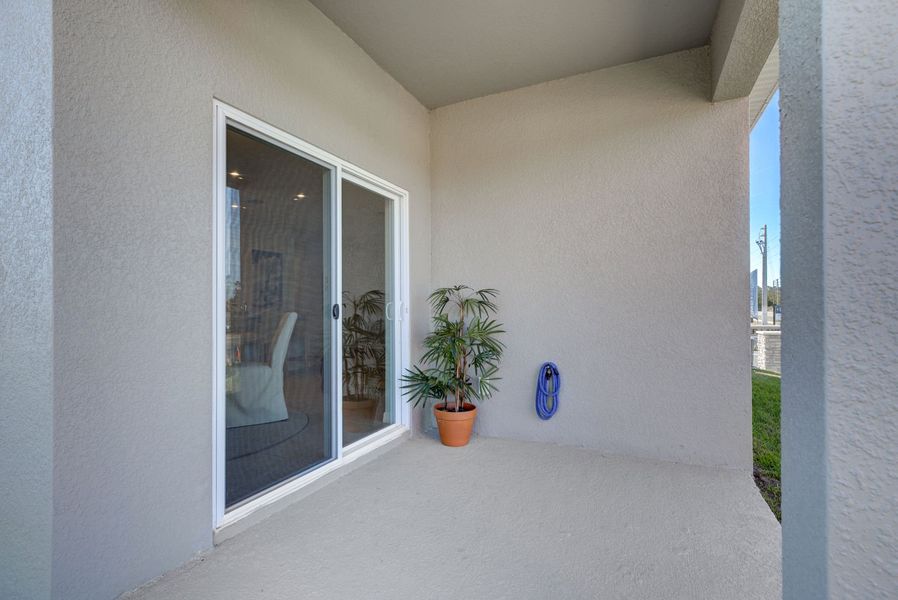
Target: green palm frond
[364, 340]
[462, 352]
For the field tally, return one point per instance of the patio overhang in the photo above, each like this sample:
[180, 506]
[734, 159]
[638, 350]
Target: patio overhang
[445, 53]
[742, 44]
[765, 86]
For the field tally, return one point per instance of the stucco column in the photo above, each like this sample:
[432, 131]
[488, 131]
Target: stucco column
[840, 271]
[26, 299]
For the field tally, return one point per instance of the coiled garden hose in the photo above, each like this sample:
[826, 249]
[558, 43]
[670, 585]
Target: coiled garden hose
[548, 384]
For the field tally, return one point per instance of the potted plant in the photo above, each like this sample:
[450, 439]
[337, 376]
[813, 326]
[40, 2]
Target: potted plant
[364, 373]
[460, 361]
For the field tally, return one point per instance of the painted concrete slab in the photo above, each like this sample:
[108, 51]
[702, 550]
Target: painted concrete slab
[502, 519]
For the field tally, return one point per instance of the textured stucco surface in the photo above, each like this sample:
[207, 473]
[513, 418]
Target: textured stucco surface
[503, 519]
[840, 226]
[600, 205]
[742, 38]
[134, 85]
[803, 414]
[860, 249]
[26, 299]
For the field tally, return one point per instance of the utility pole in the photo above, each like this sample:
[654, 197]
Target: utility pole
[762, 244]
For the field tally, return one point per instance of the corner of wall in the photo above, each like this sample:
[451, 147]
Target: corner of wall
[618, 160]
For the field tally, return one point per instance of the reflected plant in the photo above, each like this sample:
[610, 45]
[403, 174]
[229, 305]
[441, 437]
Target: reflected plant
[463, 351]
[364, 353]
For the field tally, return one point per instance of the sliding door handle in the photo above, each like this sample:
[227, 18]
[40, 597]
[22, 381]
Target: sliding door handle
[393, 311]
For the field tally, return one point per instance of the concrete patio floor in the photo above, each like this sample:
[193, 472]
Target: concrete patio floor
[502, 519]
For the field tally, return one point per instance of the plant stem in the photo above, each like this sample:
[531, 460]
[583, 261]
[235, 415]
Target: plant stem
[459, 396]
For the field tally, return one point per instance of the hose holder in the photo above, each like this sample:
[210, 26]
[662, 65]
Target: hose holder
[548, 384]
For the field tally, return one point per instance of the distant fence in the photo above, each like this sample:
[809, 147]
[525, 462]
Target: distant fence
[766, 349]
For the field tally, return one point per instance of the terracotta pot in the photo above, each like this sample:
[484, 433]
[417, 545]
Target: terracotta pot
[358, 413]
[455, 427]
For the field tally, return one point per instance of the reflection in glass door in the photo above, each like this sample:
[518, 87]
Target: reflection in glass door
[277, 272]
[368, 311]
[307, 335]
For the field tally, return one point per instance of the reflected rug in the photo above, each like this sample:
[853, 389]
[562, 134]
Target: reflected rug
[252, 439]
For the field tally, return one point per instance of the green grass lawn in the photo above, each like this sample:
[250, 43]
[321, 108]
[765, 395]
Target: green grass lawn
[765, 425]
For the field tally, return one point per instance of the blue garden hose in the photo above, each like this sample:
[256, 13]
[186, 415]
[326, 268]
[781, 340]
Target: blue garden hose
[548, 384]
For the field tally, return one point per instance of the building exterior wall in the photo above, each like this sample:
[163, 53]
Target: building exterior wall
[840, 227]
[26, 299]
[611, 211]
[767, 354]
[134, 86]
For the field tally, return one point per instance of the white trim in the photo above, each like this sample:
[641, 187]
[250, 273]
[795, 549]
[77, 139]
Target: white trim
[278, 492]
[218, 316]
[404, 298]
[341, 170]
[336, 324]
[375, 440]
[765, 86]
[400, 282]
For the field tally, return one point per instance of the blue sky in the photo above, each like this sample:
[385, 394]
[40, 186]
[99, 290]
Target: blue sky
[764, 182]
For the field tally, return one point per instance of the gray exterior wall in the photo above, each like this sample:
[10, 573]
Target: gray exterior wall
[26, 299]
[602, 206]
[134, 85]
[840, 227]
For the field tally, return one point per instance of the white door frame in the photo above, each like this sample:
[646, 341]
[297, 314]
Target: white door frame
[225, 115]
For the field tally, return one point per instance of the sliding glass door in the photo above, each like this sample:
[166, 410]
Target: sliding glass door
[368, 312]
[308, 312]
[278, 302]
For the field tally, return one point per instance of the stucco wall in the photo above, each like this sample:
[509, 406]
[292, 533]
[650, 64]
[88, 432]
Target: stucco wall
[134, 85]
[840, 226]
[803, 417]
[26, 299]
[611, 211]
[744, 33]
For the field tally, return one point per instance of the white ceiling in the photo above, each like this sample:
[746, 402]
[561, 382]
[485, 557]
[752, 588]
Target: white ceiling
[445, 51]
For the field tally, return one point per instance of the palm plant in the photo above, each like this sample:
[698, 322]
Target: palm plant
[463, 351]
[363, 343]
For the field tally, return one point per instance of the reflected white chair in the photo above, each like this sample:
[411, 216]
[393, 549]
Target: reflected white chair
[258, 388]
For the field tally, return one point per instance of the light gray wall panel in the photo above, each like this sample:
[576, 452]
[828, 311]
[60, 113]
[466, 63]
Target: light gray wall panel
[611, 211]
[803, 418]
[860, 249]
[134, 88]
[840, 260]
[26, 299]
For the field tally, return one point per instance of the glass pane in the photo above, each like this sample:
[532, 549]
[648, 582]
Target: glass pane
[367, 313]
[278, 401]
